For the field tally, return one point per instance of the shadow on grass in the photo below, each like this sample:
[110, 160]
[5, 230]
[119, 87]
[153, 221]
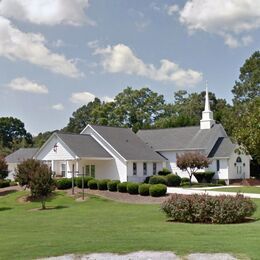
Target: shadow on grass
[5, 208]
[6, 192]
[49, 208]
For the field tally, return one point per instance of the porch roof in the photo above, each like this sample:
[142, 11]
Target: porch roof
[84, 145]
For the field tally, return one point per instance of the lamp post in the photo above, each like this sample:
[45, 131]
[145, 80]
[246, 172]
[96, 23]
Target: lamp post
[83, 195]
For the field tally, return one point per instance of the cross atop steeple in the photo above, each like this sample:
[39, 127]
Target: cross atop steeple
[207, 120]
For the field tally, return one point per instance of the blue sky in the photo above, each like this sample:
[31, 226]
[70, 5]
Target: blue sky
[56, 55]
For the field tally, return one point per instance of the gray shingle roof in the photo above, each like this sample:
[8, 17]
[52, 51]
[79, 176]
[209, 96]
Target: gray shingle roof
[84, 145]
[21, 155]
[183, 138]
[127, 143]
[222, 148]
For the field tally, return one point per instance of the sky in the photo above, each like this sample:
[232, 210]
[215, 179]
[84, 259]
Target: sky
[56, 55]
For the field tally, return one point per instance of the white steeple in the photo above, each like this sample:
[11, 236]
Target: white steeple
[207, 120]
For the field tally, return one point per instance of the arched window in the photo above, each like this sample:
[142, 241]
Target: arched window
[238, 160]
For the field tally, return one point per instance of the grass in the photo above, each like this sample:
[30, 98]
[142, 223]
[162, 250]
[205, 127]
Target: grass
[99, 225]
[242, 189]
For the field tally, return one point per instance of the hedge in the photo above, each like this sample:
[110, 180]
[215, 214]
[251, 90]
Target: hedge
[102, 184]
[4, 183]
[222, 209]
[173, 180]
[122, 187]
[164, 172]
[204, 176]
[63, 183]
[157, 190]
[157, 180]
[132, 187]
[79, 181]
[143, 189]
[112, 185]
[93, 184]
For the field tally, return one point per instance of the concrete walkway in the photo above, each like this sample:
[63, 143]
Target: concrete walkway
[209, 191]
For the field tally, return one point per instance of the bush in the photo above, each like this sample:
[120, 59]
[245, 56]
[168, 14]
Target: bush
[122, 187]
[144, 189]
[157, 180]
[102, 184]
[147, 179]
[63, 184]
[13, 183]
[222, 209]
[132, 187]
[204, 176]
[157, 190]
[221, 182]
[112, 185]
[93, 184]
[173, 180]
[164, 172]
[4, 183]
[86, 180]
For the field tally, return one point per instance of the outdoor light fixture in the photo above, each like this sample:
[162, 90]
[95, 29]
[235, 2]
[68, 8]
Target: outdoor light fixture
[55, 147]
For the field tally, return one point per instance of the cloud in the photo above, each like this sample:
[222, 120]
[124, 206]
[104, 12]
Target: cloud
[107, 99]
[230, 19]
[58, 107]
[172, 9]
[82, 98]
[25, 85]
[30, 47]
[47, 12]
[93, 44]
[121, 59]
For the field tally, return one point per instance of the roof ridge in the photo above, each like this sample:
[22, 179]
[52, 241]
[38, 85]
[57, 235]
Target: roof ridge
[166, 128]
[120, 127]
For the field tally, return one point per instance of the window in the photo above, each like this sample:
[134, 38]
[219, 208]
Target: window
[87, 171]
[238, 160]
[145, 168]
[63, 169]
[134, 169]
[154, 168]
[218, 165]
[90, 170]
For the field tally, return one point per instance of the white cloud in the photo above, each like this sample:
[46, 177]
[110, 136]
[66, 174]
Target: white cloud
[58, 43]
[230, 19]
[172, 9]
[107, 99]
[120, 58]
[25, 85]
[82, 98]
[93, 44]
[58, 107]
[30, 47]
[47, 12]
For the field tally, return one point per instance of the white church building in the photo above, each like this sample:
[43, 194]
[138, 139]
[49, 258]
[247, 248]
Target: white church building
[120, 154]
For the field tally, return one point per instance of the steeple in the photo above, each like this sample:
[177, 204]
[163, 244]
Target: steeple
[207, 120]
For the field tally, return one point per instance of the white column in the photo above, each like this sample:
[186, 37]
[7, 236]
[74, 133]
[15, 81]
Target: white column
[52, 166]
[77, 168]
[67, 169]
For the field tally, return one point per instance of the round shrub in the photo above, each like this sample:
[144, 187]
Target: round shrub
[204, 176]
[102, 184]
[222, 182]
[158, 180]
[157, 190]
[147, 179]
[93, 184]
[4, 183]
[132, 187]
[112, 185]
[203, 208]
[79, 181]
[164, 172]
[122, 187]
[173, 180]
[144, 189]
[64, 183]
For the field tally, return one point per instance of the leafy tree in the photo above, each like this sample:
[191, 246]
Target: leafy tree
[191, 162]
[248, 85]
[41, 138]
[36, 176]
[3, 168]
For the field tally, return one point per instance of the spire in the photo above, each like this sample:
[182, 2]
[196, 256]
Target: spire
[207, 120]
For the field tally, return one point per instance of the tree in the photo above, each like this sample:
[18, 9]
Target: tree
[3, 168]
[248, 85]
[38, 177]
[191, 162]
[41, 138]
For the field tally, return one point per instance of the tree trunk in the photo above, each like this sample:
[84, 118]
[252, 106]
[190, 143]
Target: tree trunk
[190, 179]
[43, 203]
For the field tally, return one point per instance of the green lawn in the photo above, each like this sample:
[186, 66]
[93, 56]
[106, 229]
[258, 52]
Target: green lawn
[99, 225]
[244, 189]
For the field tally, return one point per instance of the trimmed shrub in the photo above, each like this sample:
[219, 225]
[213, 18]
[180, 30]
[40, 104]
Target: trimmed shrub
[112, 185]
[157, 180]
[204, 176]
[79, 181]
[63, 183]
[132, 187]
[102, 184]
[157, 190]
[221, 182]
[13, 183]
[122, 187]
[173, 180]
[164, 172]
[93, 184]
[144, 189]
[222, 209]
[147, 179]
[4, 183]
